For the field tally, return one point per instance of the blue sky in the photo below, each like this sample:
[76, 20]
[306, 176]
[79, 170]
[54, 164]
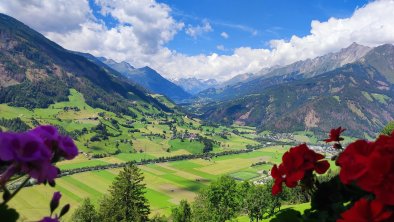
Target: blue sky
[251, 23]
[208, 38]
[271, 19]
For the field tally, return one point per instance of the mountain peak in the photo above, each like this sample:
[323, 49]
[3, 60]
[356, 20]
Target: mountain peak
[147, 68]
[127, 65]
[354, 48]
[355, 45]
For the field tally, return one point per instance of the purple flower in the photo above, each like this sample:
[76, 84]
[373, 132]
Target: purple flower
[68, 149]
[33, 152]
[55, 201]
[48, 219]
[27, 153]
[63, 145]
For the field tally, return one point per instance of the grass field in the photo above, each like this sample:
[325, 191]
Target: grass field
[150, 132]
[167, 183]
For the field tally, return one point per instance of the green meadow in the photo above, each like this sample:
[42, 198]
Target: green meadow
[167, 183]
[147, 135]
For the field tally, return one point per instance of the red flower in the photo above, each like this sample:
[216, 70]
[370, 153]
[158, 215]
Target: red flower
[354, 161]
[366, 211]
[335, 135]
[295, 164]
[371, 166]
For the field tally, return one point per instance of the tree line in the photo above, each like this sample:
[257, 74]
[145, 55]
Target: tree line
[223, 200]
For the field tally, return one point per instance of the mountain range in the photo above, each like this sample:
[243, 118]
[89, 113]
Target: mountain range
[352, 88]
[150, 79]
[194, 85]
[245, 84]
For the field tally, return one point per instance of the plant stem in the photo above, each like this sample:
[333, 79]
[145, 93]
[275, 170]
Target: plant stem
[16, 191]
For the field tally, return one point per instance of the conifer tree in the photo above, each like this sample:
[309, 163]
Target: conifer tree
[85, 213]
[182, 213]
[126, 201]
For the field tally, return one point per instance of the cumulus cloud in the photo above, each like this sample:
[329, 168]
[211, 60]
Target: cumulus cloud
[56, 16]
[145, 27]
[195, 31]
[224, 35]
[151, 22]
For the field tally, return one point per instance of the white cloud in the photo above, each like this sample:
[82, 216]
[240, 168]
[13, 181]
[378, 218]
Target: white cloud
[56, 16]
[195, 31]
[224, 35]
[146, 26]
[221, 47]
[151, 22]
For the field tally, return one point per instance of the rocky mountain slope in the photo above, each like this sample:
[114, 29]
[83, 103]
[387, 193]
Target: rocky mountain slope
[253, 83]
[36, 72]
[356, 96]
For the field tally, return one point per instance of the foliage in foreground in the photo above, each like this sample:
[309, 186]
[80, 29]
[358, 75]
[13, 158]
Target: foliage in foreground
[363, 191]
[32, 155]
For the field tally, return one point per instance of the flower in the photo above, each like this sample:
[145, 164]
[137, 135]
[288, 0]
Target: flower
[279, 175]
[296, 163]
[28, 154]
[354, 160]
[33, 153]
[335, 135]
[49, 219]
[366, 211]
[371, 166]
[55, 201]
[62, 145]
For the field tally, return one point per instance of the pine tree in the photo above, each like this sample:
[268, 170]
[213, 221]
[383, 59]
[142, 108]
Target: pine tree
[126, 201]
[85, 213]
[182, 213]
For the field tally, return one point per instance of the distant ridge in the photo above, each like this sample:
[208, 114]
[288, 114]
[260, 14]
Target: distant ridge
[149, 79]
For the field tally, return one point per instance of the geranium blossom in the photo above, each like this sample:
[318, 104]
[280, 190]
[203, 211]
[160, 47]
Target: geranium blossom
[335, 135]
[366, 211]
[34, 152]
[63, 145]
[295, 164]
[28, 154]
[371, 166]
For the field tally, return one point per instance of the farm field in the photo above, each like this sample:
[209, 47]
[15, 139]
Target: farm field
[150, 133]
[167, 183]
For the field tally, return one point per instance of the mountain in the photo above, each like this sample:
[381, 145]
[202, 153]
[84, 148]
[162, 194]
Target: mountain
[356, 96]
[382, 59]
[194, 85]
[36, 72]
[149, 79]
[121, 67]
[298, 70]
[246, 77]
[237, 79]
[325, 63]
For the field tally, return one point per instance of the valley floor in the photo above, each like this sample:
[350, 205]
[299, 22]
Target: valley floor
[167, 183]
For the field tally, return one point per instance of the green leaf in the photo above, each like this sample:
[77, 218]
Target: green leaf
[8, 214]
[6, 195]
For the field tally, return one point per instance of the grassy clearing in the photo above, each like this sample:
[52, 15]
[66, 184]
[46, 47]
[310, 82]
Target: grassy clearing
[167, 183]
[190, 146]
[148, 132]
[244, 175]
